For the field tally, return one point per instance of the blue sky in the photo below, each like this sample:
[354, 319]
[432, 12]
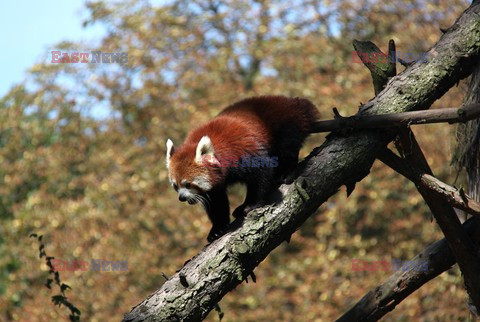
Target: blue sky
[29, 29]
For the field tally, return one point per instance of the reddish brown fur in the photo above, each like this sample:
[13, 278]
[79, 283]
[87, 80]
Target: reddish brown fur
[241, 129]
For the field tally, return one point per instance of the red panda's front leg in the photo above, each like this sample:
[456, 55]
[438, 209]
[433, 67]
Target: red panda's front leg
[257, 191]
[218, 210]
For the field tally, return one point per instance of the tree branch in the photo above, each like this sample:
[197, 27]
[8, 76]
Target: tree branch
[456, 197]
[358, 122]
[464, 250]
[386, 296]
[380, 69]
[225, 263]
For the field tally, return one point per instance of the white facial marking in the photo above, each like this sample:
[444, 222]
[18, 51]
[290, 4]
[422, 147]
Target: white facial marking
[204, 147]
[170, 149]
[186, 192]
[203, 183]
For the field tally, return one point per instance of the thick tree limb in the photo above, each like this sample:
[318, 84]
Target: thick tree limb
[225, 263]
[450, 115]
[386, 296]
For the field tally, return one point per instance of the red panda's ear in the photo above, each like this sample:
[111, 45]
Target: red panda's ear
[205, 152]
[170, 150]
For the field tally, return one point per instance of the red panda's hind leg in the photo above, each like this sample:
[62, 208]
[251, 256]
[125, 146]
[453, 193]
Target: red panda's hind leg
[289, 140]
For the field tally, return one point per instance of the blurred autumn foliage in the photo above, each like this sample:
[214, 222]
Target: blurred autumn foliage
[96, 186]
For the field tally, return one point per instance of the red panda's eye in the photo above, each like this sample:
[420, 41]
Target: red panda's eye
[175, 186]
[187, 185]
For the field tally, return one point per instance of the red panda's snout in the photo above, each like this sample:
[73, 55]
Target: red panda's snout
[185, 194]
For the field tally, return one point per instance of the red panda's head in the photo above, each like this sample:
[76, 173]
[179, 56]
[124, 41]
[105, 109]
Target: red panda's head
[191, 169]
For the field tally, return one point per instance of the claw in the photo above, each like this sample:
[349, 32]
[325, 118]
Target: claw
[215, 233]
[243, 210]
[288, 179]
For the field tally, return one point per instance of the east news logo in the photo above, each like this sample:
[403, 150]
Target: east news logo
[97, 57]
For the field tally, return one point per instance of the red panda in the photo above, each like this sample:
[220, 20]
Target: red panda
[265, 128]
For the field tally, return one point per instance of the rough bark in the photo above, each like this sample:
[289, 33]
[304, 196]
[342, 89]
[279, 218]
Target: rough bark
[218, 268]
[382, 71]
[465, 251]
[386, 296]
[467, 154]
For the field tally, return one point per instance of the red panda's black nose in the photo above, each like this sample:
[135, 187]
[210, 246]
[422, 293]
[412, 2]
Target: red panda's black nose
[182, 198]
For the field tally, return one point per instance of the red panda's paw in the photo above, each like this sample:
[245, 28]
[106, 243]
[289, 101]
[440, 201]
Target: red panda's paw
[215, 233]
[239, 211]
[285, 179]
[243, 210]
[288, 178]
